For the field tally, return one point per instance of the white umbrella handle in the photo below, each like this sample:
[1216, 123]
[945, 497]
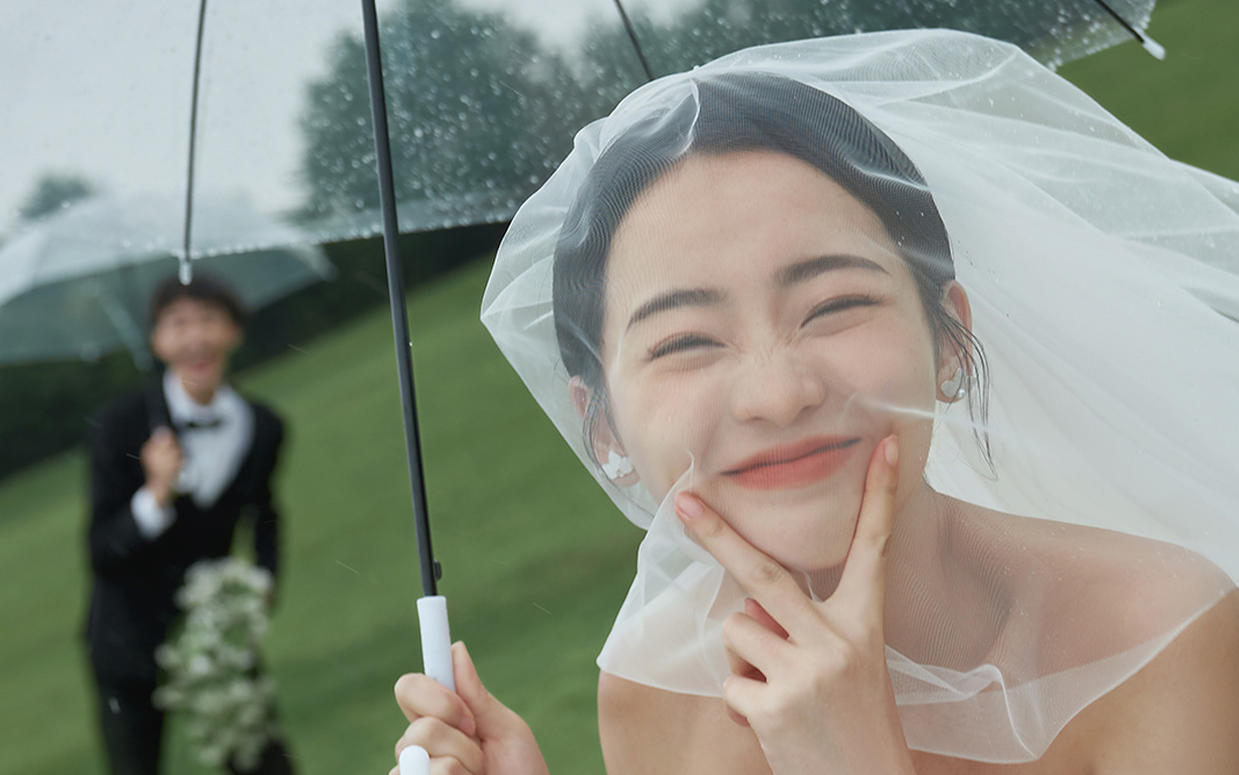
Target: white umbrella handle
[436, 639]
[437, 662]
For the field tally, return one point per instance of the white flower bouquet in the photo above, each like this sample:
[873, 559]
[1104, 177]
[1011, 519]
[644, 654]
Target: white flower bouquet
[211, 665]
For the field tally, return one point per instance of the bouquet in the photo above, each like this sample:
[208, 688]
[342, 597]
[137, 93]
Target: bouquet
[211, 665]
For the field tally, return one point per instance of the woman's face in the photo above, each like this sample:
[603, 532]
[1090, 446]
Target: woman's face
[760, 325]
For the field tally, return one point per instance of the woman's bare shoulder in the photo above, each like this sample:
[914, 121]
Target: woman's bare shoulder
[1083, 593]
[649, 730]
[1178, 713]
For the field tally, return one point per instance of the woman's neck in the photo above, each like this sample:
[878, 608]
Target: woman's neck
[931, 598]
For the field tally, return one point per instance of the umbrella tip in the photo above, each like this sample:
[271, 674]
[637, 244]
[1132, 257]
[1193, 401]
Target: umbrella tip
[1153, 47]
[185, 273]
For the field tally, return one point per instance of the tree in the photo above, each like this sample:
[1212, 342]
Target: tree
[53, 191]
[479, 113]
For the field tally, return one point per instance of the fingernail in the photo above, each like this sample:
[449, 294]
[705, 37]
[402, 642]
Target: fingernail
[892, 450]
[687, 506]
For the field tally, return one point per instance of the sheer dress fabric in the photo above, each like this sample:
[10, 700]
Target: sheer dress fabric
[1104, 284]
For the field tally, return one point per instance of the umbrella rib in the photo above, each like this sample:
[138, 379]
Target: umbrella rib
[1150, 45]
[636, 44]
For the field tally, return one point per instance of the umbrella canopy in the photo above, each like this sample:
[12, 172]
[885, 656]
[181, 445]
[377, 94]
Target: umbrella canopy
[484, 94]
[75, 284]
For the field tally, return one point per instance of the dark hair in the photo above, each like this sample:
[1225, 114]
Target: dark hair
[744, 112]
[203, 287]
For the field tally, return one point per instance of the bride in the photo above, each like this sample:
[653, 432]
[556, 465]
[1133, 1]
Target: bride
[920, 371]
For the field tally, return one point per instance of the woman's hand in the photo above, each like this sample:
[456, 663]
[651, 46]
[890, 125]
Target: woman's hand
[468, 732]
[810, 677]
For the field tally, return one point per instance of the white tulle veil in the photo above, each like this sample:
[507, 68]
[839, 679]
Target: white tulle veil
[1104, 283]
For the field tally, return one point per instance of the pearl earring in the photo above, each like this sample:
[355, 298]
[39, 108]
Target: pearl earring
[617, 466]
[954, 388]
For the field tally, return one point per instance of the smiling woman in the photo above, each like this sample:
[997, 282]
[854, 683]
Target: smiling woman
[751, 300]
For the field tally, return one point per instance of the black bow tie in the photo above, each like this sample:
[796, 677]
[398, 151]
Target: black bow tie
[201, 424]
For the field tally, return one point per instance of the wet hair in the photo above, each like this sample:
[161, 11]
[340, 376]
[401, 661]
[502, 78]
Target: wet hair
[738, 112]
[203, 287]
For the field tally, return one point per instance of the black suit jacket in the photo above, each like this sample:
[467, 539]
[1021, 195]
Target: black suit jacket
[135, 579]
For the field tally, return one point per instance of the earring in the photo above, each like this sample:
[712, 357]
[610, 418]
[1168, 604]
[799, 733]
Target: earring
[954, 388]
[617, 466]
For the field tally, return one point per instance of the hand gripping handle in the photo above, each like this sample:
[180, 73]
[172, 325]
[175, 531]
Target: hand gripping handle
[437, 663]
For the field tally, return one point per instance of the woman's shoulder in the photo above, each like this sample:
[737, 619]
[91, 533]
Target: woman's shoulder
[1112, 591]
[1134, 584]
[648, 730]
[1177, 713]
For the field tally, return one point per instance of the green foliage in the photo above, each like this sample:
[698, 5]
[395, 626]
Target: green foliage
[53, 191]
[467, 97]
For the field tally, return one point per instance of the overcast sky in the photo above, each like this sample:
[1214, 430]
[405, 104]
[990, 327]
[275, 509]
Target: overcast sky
[102, 89]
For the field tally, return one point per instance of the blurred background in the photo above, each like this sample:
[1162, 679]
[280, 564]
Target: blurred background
[483, 102]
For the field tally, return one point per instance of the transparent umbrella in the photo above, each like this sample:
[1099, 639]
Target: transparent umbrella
[484, 95]
[74, 284]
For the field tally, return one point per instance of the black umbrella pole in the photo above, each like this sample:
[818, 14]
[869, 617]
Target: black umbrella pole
[395, 290]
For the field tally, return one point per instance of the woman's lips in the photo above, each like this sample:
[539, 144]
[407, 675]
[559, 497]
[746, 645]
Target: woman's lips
[793, 465]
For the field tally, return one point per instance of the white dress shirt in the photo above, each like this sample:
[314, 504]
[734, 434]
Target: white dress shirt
[211, 456]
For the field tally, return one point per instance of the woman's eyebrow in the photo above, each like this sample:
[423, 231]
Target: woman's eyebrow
[812, 267]
[684, 297]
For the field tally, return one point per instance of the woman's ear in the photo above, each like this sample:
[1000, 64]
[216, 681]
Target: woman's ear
[955, 300]
[955, 351]
[607, 449]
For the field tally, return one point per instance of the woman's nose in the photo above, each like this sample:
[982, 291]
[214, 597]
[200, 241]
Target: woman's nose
[776, 388]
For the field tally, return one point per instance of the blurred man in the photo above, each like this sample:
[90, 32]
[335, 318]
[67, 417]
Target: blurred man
[173, 468]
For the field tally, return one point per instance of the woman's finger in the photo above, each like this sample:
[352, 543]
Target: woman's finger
[752, 643]
[743, 697]
[737, 718]
[738, 665]
[862, 587]
[441, 740]
[449, 766]
[761, 576]
[759, 615]
[419, 695]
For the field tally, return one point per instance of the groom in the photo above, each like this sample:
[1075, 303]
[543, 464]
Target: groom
[173, 469]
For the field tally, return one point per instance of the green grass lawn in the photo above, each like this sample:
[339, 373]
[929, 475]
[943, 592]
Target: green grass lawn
[536, 559]
[1186, 105]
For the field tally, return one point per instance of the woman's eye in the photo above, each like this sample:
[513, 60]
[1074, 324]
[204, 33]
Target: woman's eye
[839, 304]
[680, 344]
